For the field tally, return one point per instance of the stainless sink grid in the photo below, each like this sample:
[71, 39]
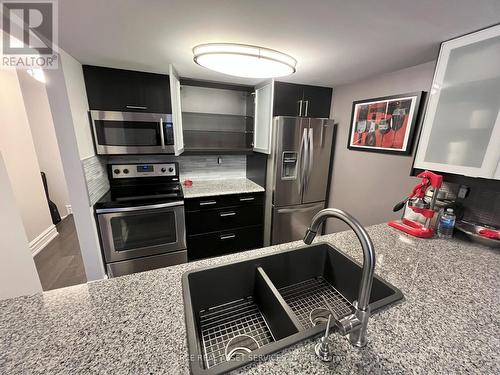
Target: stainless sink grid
[308, 295]
[220, 324]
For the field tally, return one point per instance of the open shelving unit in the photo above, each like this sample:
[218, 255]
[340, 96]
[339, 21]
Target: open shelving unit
[217, 119]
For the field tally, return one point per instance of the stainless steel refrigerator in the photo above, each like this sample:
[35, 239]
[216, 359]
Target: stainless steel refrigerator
[297, 176]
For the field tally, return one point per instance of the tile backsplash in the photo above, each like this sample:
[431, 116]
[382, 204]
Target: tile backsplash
[196, 167]
[207, 167]
[96, 175]
[482, 205]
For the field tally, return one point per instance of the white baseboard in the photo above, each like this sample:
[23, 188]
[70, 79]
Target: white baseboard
[69, 210]
[43, 239]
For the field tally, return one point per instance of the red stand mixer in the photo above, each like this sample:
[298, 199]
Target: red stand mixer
[416, 201]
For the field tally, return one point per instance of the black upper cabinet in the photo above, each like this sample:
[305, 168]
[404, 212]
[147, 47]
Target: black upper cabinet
[300, 100]
[317, 101]
[287, 97]
[111, 89]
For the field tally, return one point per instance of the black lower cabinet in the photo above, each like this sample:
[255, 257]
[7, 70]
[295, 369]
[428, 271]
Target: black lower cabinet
[225, 242]
[223, 218]
[224, 224]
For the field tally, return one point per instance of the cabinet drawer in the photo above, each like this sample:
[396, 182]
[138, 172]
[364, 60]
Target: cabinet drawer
[194, 204]
[224, 242]
[218, 219]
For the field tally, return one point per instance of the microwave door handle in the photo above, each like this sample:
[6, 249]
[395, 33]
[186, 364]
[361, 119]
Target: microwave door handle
[162, 135]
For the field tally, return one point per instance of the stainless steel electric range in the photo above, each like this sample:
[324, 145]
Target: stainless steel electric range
[141, 218]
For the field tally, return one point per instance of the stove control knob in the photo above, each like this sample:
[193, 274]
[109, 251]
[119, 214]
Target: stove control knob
[125, 171]
[117, 171]
[170, 169]
[163, 170]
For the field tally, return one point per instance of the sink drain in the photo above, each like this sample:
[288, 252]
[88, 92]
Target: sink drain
[306, 301]
[231, 330]
[240, 345]
[319, 315]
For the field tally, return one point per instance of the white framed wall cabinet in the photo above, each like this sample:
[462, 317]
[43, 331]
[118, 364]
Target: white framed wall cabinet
[461, 128]
[263, 120]
[175, 95]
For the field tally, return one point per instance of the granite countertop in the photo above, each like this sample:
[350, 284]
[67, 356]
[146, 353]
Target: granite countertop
[134, 324]
[206, 188]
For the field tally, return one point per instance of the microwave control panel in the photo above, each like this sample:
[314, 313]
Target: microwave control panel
[144, 170]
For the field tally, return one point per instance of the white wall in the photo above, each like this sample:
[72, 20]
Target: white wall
[18, 275]
[44, 138]
[68, 103]
[367, 184]
[16, 145]
[77, 94]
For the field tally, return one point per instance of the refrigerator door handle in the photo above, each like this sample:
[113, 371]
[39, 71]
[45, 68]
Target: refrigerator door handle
[305, 163]
[311, 155]
[300, 162]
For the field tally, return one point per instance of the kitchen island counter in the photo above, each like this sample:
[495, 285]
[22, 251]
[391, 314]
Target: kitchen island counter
[135, 324]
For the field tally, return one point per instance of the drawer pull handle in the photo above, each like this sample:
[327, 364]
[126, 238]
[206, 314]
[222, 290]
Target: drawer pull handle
[227, 236]
[247, 199]
[207, 203]
[225, 214]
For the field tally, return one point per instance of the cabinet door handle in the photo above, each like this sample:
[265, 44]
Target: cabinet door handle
[143, 107]
[207, 203]
[307, 108]
[225, 214]
[300, 108]
[227, 236]
[247, 199]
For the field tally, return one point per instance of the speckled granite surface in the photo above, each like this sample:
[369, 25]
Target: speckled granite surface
[449, 322]
[206, 188]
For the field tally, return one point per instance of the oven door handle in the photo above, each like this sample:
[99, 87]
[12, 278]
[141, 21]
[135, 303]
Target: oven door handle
[139, 208]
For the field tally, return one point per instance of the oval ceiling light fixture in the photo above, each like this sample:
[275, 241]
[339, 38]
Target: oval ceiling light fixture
[244, 60]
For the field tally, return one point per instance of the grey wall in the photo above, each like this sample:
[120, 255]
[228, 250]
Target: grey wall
[368, 184]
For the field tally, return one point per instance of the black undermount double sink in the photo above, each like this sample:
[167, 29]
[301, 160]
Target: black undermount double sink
[243, 311]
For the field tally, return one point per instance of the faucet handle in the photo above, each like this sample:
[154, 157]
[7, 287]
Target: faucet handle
[322, 348]
[344, 324]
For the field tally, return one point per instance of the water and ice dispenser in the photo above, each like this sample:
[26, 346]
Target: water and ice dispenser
[289, 167]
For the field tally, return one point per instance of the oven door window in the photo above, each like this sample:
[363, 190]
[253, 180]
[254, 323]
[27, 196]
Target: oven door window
[127, 133]
[147, 230]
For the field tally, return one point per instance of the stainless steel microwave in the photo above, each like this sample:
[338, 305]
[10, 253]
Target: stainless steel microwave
[118, 133]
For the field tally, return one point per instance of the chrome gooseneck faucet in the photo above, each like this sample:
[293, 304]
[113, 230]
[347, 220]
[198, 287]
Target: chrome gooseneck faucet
[355, 324]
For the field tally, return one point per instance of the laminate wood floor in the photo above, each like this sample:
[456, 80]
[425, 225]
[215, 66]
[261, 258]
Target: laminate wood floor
[60, 263]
